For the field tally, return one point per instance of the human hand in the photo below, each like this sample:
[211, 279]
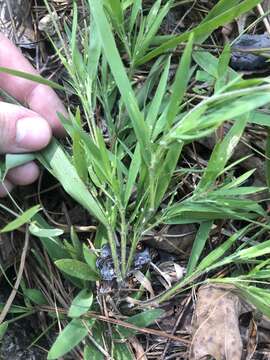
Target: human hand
[24, 129]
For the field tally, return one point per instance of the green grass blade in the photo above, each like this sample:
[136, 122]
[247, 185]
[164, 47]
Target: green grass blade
[180, 83]
[238, 181]
[165, 171]
[260, 118]
[22, 219]
[57, 162]
[132, 174]
[73, 40]
[221, 154]
[216, 254]
[198, 245]
[94, 51]
[252, 252]
[256, 296]
[35, 78]
[159, 95]
[152, 15]
[239, 191]
[136, 8]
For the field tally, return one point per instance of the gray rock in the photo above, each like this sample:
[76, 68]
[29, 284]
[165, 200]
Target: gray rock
[248, 61]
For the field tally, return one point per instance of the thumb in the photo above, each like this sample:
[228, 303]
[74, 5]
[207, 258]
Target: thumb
[22, 130]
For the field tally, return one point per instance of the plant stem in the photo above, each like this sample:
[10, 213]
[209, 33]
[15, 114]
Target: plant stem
[134, 243]
[123, 242]
[112, 243]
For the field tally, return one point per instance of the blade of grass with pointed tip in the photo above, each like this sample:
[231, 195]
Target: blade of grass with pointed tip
[198, 245]
[216, 254]
[98, 155]
[152, 15]
[36, 296]
[239, 180]
[35, 78]
[223, 69]
[165, 171]
[154, 108]
[252, 252]
[94, 51]
[22, 219]
[256, 296]
[180, 83]
[132, 174]
[221, 154]
[136, 8]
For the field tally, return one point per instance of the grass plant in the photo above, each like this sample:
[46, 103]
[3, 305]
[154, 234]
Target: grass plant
[128, 179]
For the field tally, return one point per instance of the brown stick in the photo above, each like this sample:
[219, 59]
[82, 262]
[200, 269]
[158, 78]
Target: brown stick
[91, 314]
[18, 280]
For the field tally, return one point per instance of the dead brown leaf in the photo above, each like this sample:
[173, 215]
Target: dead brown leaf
[215, 321]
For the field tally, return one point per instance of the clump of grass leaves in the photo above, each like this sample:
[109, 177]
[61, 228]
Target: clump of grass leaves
[128, 179]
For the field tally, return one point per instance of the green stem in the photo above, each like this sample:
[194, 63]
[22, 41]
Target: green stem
[152, 188]
[29, 313]
[132, 251]
[114, 254]
[123, 242]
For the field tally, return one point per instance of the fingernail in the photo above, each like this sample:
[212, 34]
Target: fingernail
[33, 133]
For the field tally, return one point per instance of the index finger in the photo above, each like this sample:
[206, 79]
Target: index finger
[40, 98]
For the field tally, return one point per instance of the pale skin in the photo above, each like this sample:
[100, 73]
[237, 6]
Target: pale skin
[29, 128]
